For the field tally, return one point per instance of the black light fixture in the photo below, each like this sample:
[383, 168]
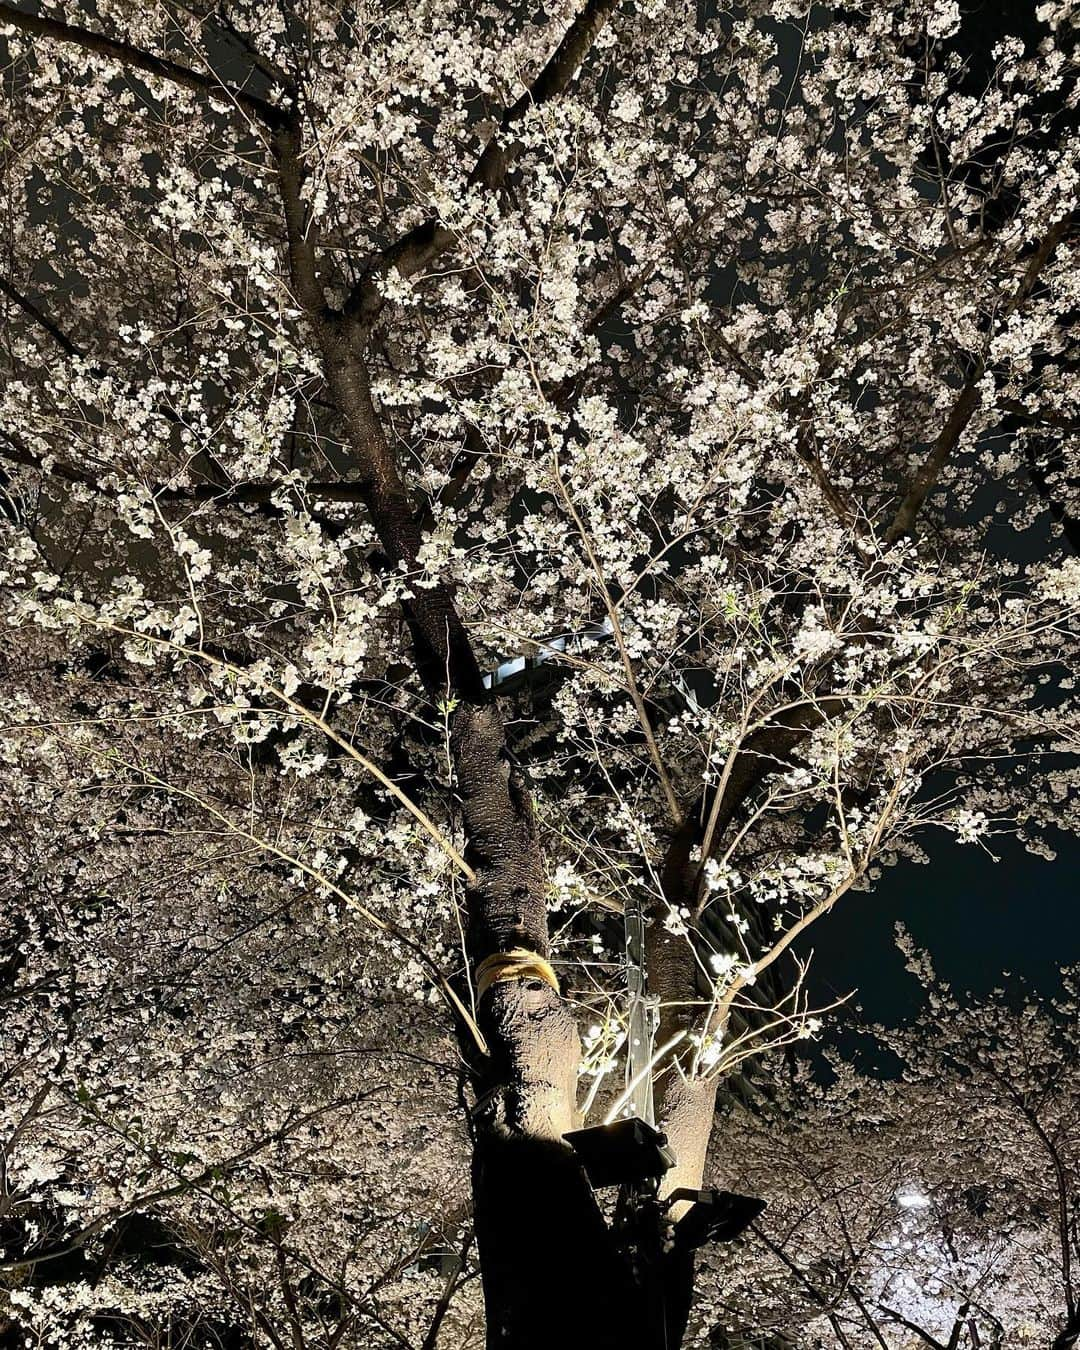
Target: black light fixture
[713, 1216]
[622, 1153]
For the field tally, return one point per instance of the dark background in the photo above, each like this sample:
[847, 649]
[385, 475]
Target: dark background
[980, 920]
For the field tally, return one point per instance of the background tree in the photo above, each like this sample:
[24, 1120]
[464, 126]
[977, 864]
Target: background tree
[351, 352]
[934, 1208]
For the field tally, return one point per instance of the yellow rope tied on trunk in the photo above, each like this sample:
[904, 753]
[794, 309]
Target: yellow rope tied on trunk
[517, 964]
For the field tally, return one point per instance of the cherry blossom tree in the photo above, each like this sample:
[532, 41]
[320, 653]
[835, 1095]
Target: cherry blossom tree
[470, 473]
[936, 1209]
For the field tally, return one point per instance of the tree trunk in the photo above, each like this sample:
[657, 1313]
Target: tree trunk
[551, 1273]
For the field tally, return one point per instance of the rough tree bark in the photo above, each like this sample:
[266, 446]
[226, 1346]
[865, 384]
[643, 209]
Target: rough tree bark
[550, 1270]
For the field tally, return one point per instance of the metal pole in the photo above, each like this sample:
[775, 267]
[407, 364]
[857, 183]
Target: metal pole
[641, 1014]
[639, 1202]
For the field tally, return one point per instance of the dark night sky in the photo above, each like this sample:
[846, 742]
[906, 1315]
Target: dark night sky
[978, 919]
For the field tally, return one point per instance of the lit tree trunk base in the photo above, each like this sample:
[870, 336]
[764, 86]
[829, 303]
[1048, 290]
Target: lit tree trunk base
[553, 1270]
[550, 1273]
[687, 1106]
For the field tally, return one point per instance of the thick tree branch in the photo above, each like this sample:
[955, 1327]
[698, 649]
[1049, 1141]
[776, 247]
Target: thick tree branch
[1017, 415]
[217, 15]
[15, 452]
[134, 58]
[422, 245]
[967, 400]
[444, 656]
[41, 319]
[686, 1105]
[1055, 421]
[237, 494]
[1059, 512]
[894, 1316]
[243, 494]
[299, 227]
[842, 506]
